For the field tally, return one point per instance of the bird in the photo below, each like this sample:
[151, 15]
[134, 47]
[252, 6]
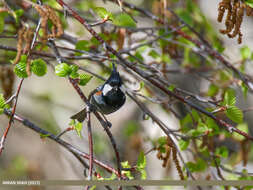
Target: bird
[106, 98]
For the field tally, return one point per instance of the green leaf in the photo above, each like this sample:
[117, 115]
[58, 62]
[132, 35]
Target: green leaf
[39, 67]
[123, 19]
[244, 90]
[20, 70]
[74, 75]
[242, 127]
[213, 90]
[154, 54]
[162, 141]
[17, 14]
[125, 164]
[229, 98]
[234, 113]
[212, 126]
[113, 176]
[245, 52]
[62, 70]
[142, 85]
[103, 13]
[131, 128]
[84, 79]
[93, 187]
[141, 162]
[195, 115]
[74, 69]
[82, 45]
[186, 16]
[139, 56]
[127, 173]
[2, 101]
[78, 128]
[171, 87]
[249, 2]
[2, 22]
[166, 58]
[42, 136]
[199, 166]
[2, 104]
[222, 151]
[218, 161]
[143, 174]
[183, 144]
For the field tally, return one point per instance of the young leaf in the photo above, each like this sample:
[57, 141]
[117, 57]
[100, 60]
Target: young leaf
[84, 79]
[242, 127]
[199, 166]
[74, 69]
[1, 22]
[127, 173]
[42, 136]
[235, 114]
[213, 90]
[171, 87]
[17, 14]
[162, 141]
[143, 174]
[103, 13]
[141, 163]
[39, 67]
[93, 187]
[123, 19]
[244, 90]
[142, 85]
[249, 2]
[183, 144]
[222, 151]
[62, 70]
[229, 98]
[78, 128]
[212, 126]
[20, 70]
[154, 54]
[82, 45]
[245, 52]
[2, 103]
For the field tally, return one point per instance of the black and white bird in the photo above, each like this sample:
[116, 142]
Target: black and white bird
[107, 98]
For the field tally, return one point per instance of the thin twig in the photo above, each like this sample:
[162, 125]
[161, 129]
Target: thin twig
[90, 146]
[3, 139]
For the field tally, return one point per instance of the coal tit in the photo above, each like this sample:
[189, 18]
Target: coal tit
[106, 98]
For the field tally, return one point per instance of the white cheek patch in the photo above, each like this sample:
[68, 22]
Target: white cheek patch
[106, 89]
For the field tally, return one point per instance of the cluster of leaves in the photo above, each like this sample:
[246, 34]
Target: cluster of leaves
[140, 167]
[77, 127]
[64, 70]
[38, 67]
